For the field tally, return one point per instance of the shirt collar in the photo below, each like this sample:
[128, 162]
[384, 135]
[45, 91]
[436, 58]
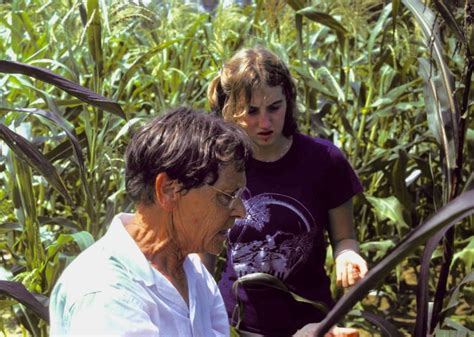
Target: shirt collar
[125, 250]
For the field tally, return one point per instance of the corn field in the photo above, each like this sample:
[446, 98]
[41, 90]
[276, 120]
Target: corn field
[389, 82]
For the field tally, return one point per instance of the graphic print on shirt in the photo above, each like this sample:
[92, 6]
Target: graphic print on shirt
[275, 237]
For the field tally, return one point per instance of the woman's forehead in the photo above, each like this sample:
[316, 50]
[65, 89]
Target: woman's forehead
[266, 95]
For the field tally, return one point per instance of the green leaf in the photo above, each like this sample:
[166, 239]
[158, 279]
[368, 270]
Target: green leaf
[465, 256]
[83, 239]
[437, 113]
[391, 209]
[399, 186]
[322, 18]
[379, 27]
[94, 35]
[455, 297]
[325, 20]
[450, 20]
[379, 248]
[448, 216]
[140, 62]
[448, 113]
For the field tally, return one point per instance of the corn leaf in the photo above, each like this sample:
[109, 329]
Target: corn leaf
[389, 208]
[448, 111]
[18, 291]
[387, 328]
[28, 153]
[326, 20]
[94, 35]
[267, 280]
[70, 87]
[450, 20]
[452, 213]
[140, 62]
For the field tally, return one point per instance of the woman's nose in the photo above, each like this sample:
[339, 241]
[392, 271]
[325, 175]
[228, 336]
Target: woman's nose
[264, 121]
[239, 209]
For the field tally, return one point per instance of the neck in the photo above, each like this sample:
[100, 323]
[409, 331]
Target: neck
[273, 152]
[149, 229]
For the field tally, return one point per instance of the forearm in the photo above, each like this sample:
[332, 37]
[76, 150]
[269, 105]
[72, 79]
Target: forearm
[341, 229]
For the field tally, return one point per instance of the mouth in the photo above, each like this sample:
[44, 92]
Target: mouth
[265, 135]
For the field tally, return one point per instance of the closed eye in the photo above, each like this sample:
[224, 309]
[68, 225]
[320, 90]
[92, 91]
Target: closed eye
[252, 111]
[274, 107]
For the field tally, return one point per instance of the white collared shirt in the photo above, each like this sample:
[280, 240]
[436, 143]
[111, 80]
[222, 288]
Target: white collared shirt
[111, 290]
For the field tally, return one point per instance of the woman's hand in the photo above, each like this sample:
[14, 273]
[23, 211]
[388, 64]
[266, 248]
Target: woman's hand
[309, 330]
[350, 268]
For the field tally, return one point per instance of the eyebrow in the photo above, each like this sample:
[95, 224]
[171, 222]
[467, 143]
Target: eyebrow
[278, 101]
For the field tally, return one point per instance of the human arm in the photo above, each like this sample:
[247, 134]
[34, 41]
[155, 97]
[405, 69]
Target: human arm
[350, 266]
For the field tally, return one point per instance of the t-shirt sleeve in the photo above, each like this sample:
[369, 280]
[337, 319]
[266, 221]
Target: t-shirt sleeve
[343, 181]
[108, 313]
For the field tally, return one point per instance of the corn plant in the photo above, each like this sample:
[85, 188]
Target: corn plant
[372, 76]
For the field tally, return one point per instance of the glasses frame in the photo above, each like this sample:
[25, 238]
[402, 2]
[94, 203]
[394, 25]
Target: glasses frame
[237, 196]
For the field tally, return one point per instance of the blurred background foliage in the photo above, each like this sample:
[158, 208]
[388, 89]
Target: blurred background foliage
[369, 78]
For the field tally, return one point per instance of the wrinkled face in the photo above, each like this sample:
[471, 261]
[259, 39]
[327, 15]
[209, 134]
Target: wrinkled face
[204, 216]
[265, 118]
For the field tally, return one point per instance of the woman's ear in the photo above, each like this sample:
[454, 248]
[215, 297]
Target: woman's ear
[166, 192]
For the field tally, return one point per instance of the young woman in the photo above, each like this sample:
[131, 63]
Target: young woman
[297, 187]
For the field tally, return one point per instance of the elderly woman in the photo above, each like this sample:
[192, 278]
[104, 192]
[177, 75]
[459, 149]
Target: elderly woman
[185, 172]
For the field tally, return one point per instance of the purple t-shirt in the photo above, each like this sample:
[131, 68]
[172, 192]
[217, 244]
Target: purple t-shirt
[287, 203]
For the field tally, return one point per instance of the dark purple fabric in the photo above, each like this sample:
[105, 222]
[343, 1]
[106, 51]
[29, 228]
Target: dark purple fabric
[287, 205]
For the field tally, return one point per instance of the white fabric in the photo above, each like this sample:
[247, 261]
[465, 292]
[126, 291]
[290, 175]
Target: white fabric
[111, 290]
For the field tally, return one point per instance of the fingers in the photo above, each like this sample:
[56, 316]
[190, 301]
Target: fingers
[363, 269]
[350, 268]
[350, 275]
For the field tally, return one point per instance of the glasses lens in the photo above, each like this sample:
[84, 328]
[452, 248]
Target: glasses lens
[237, 196]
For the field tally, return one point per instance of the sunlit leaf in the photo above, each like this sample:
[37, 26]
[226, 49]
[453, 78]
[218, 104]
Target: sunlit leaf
[94, 35]
[389, 208]
[465, 256]
[141, 61]
[378, 248]
[83, 239]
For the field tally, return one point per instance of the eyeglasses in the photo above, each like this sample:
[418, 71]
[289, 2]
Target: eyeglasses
[226, 199]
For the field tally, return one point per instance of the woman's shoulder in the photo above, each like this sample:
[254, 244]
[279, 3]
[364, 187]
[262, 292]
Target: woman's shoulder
[315, 144]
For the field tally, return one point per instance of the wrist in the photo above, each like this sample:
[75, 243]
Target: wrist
[344, 246]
